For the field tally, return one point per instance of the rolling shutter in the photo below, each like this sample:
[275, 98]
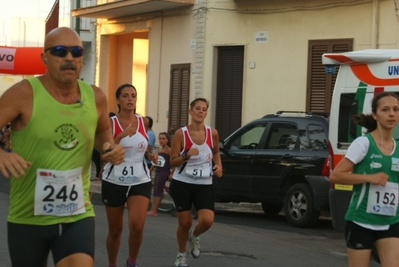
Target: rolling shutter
[229, 89]
[179, 97]
[320, 86]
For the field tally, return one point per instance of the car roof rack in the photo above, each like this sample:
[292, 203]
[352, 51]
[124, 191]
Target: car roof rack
[324, 114]
[282, 113]
[286, 113]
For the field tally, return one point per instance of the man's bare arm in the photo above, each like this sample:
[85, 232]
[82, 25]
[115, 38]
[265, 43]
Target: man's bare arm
[15, 108]
[104, 142]
[16, 105]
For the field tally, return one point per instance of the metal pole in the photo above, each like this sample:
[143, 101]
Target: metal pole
[77, 24]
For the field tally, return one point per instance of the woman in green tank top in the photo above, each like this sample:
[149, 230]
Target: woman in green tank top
[372, 215]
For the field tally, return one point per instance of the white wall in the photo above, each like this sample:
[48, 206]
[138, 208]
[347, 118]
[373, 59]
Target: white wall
[6, 81]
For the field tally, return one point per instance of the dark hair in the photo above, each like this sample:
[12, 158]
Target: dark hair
[192, 104]
[367, 121]
[119, 90]
[167, 137]
[111, 114]
[150, 122]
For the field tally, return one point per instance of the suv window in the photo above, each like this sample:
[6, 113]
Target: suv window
[318, 137]
[282, 136]
[249, 138]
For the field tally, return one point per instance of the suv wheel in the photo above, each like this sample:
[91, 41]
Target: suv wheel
[298, 206]
[271, 209]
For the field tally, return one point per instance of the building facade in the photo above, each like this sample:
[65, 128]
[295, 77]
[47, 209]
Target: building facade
[87, 30]
[248, 57]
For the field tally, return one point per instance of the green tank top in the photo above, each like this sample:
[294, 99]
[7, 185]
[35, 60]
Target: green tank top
[373, 162]
[58, 137]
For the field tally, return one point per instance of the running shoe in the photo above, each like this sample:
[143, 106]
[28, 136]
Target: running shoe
[127, 264]
[181, 260]
[195, 249]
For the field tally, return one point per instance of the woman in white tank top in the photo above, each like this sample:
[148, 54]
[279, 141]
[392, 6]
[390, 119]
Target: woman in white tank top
[128, 182]
[194, 149]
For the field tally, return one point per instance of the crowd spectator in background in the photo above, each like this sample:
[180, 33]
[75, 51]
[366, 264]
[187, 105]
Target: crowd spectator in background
[163, 172]
[151, 139]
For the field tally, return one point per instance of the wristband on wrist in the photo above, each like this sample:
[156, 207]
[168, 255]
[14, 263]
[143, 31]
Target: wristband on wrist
[184, 155]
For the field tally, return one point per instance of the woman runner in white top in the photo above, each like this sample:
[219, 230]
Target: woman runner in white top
[128, 182]
[194, 149]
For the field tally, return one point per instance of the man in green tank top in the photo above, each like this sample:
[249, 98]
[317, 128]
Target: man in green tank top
[56, 121]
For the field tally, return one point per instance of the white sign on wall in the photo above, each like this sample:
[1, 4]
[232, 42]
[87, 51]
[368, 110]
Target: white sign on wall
[261, 36]
[193, 44]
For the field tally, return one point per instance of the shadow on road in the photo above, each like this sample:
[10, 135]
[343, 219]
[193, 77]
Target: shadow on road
[323, 228]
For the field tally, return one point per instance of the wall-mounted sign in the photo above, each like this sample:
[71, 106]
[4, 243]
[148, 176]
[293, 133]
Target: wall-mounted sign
[261, 36]
[193, 44]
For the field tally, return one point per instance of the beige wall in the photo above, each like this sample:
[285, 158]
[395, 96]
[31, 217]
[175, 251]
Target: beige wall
[280, 75]
[168, 43]
[278, 82]
[171, 46]
[118, 66]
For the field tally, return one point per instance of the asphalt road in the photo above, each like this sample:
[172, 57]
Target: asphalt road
[241, 236]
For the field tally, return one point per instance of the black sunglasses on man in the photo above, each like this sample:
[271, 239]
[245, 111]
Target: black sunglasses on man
[62, 51]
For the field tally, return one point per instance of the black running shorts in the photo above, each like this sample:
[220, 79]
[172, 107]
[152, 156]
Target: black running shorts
[185, 195]
[29, 245]
[358, 237]
[114, 195]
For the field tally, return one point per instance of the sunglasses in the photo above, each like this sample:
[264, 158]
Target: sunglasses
[62, 51]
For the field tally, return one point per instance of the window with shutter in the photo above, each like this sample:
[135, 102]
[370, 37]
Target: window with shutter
[230, 66]
[179, 97]
[320, 86]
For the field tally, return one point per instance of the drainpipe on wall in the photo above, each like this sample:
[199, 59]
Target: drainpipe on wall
[77, 19]
[374, 25]
[159, 69]
[199, 52]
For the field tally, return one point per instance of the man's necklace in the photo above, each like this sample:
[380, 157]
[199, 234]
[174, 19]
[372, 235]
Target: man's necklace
[78, 98]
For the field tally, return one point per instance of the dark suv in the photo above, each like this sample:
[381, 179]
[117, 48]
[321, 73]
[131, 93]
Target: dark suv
[281, 161]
